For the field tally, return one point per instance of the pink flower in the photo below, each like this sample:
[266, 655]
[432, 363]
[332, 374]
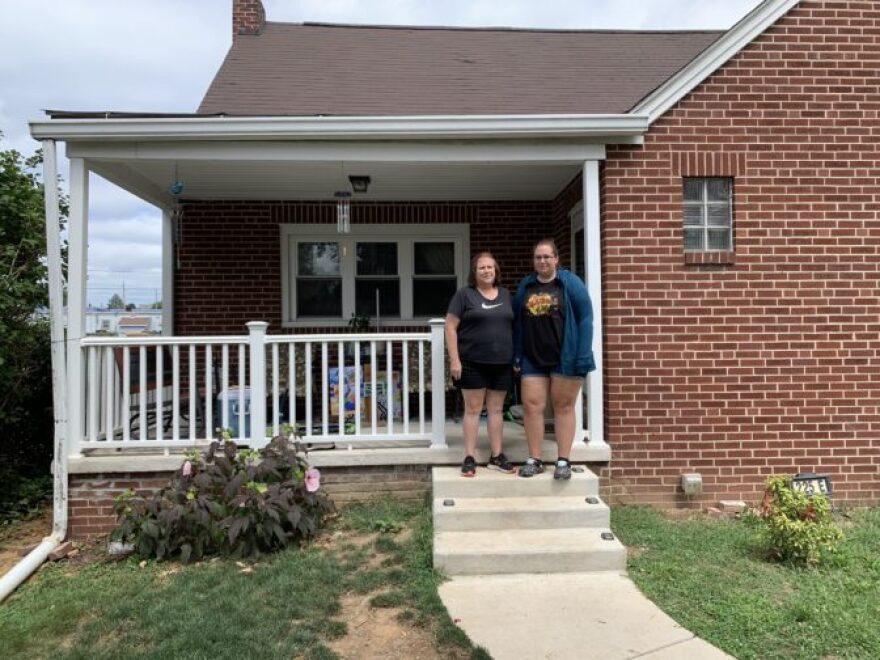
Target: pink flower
[313, 480]
[187, 469]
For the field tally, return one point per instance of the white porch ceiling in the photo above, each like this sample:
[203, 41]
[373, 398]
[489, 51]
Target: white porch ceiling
[274, 180]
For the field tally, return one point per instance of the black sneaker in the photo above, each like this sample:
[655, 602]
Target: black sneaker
[563, 470]
[500, 463]
[468, 467]
[531, 467]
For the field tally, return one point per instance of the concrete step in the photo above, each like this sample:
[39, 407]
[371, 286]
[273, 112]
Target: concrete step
[527, 551]
[448, 482]
[485, 513]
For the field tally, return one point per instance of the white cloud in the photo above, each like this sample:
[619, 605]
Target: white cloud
[161, 55]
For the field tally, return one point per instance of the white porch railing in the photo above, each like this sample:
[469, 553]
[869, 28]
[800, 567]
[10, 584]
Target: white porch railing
[180, 391]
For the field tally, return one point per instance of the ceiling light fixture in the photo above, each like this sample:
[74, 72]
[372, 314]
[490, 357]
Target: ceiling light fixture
[359, 182]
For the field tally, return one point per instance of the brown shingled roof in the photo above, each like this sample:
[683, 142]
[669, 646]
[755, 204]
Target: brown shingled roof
[318, 69]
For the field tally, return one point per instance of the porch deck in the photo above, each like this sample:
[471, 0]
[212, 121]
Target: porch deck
[151, 459]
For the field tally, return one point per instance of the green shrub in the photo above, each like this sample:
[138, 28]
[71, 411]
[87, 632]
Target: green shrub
[798, 528]
[231, 501]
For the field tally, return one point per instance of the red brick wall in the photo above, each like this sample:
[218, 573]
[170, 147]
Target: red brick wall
[230, 252]
[770, 361]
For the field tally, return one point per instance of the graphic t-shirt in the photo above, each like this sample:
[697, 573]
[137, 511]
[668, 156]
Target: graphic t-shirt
[485, 329]
[543, 323]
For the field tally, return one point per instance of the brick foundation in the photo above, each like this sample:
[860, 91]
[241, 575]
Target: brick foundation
[91, 495]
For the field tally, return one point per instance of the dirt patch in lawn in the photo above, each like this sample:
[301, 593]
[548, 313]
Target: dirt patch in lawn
[377, 634]
[21, 535]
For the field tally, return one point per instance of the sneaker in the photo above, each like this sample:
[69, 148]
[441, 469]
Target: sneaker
[500, 463]
[468, 467]
[531, 467]
[563, 470]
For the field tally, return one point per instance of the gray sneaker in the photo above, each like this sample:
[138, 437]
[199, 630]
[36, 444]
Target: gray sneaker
[562, 471]
[531, 467]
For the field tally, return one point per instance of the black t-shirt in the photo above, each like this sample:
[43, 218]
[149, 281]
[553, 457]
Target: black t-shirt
[543, 323]
[485, 329]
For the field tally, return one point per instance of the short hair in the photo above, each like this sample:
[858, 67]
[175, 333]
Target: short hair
[472, 275]
[548, 242]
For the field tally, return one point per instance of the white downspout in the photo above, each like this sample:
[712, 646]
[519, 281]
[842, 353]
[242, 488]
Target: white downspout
[21, 571]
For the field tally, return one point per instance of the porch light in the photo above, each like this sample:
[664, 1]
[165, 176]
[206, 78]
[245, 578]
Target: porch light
[343, 211]
[359, 182]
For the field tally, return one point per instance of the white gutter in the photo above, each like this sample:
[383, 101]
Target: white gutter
[20, 572]
[342, 128]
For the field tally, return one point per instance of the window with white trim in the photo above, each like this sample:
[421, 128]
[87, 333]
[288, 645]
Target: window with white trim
[406, 272]
[708, 214]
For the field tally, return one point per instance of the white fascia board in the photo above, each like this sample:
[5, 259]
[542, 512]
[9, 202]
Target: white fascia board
[551, 150]
[711, 59]
[342, 128]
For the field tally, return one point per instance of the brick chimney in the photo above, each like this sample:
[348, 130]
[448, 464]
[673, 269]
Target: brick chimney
[248, 17]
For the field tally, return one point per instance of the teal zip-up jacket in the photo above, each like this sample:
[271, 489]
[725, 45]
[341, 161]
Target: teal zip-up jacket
[576, 358]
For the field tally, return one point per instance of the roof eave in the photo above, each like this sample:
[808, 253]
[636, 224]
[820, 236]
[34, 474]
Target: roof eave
[344, 128]
[714, 57]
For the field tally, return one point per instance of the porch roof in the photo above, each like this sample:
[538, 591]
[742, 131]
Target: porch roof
[526, 157]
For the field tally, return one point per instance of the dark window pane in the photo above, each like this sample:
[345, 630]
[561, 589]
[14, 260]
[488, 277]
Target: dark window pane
[317, 258]
[377, 258]
[693, 215]
[719, 215]
[719, 190]
[580, 268]
[434, 258]
[719, 239]
[319, 297]
[389, 297]
[431, 297]
[693, 239]
[693, 190]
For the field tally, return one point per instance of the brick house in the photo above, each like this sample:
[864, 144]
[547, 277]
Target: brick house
[717, 190]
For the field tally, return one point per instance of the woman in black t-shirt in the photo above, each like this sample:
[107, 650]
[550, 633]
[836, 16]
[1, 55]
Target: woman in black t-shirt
[479, 339]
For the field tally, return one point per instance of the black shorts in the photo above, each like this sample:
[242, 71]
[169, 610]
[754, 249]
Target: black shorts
[479, 376]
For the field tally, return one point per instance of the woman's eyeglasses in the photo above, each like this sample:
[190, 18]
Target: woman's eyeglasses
[544, 257]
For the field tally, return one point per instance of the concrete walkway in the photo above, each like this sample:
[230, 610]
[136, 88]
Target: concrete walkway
[576, 616]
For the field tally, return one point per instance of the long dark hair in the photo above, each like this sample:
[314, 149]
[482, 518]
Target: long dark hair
[472, 275]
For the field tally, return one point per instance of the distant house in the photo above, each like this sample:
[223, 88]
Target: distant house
[123, 322]
[718, 191]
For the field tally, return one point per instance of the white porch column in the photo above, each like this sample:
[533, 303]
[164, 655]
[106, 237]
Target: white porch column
[257, 343]
[593, 253]
[438, 385]
[77, 268]
[56, 322]
[168, 229]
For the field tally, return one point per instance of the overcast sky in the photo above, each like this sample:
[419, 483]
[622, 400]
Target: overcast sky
[160, 55]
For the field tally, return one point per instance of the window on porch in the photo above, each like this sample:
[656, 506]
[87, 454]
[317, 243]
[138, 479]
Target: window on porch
[406, 273]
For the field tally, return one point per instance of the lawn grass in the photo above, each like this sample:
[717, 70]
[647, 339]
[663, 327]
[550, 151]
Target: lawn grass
[711, 577]
[283, 606]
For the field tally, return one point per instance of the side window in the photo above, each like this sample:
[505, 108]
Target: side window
[708, 214]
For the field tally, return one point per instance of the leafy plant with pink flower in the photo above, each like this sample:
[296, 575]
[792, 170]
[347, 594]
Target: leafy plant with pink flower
[230, 501]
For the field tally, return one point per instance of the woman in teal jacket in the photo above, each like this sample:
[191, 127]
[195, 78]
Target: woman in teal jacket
[553, 351]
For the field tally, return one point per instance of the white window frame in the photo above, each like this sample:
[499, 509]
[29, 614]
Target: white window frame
[404, 235]
[576, 224]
